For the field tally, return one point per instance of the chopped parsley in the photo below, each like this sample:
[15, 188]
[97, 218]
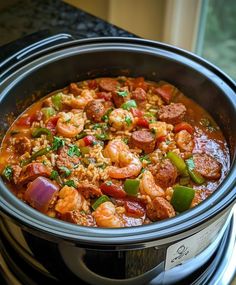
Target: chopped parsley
[105, 117]
[54, 175]
[8, 172]
[167, 142]
[73, 150]
[123, 93]
[70, 183]
[128, 120]
[66, 171]
[146, 158]
[108, 183]
[57, 143]
[125, 140]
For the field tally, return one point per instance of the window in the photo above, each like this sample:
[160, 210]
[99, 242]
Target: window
[216, 39]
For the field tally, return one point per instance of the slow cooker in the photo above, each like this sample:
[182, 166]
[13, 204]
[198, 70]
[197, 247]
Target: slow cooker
[165, 252]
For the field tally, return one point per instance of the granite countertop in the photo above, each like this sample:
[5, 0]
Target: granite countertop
[29, 16]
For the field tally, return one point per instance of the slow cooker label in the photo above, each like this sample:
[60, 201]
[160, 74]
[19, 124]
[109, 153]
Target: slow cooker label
[190, 247]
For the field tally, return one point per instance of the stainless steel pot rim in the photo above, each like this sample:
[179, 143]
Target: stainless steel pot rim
[217, 202]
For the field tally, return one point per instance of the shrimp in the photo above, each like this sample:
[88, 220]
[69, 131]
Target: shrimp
[105, 216]
[70, 124]
[149, 187]
[81, 100]
[114, 148]
[128, 164]
[121, 119]
[70, 199]
[184, 141]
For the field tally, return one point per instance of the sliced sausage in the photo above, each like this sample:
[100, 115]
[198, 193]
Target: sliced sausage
[22, 145]
[64, 159]
[76, 217]
[166, 174]
[95, 110]
[207, 166]
[172, 113]
[108, 84]
[166, 92]
[144, 140]
[89, 190]
[32, 171]
[118, 99]
[163, 208]
[139, 95]
[184, 141]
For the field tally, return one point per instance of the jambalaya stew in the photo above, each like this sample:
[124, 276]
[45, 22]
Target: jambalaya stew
[114, 152]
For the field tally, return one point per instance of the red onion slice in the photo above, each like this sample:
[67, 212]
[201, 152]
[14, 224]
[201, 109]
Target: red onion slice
[40, 193]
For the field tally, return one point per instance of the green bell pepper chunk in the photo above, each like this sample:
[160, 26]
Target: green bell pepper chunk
[48, 112]
[40, 152]
[182, 198]
[81, 135]
[57, 101]
[84, 149]
[178, 162]
[99, 201]
[129, 104]
[102, 137]
[41, 131]
[195, 176]
[131, 186]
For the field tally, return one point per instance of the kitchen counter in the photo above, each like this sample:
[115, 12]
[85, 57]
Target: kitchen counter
[29, 16]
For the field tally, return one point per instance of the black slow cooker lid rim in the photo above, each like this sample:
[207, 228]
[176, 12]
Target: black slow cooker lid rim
[133, 40]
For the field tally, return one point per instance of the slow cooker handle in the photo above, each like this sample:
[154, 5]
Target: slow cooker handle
[13, 53]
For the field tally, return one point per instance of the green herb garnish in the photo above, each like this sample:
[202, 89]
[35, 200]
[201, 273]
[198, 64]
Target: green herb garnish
[70, 183]
[73, 150]
[57, 143]
[123, 93]
[146, 158]
[54, 175]
[8, 172]
[128, 120]
[66, 171]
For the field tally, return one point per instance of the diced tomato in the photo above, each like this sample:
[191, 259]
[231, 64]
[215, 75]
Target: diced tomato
[92, 84]
[51, 124]
[136, 112]
[110, 189]
[134, 208]
[166, 92]
[142, 122]
[184, 126]
[161, 139]
[29, 119]
[89, 140]
[104, 95]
